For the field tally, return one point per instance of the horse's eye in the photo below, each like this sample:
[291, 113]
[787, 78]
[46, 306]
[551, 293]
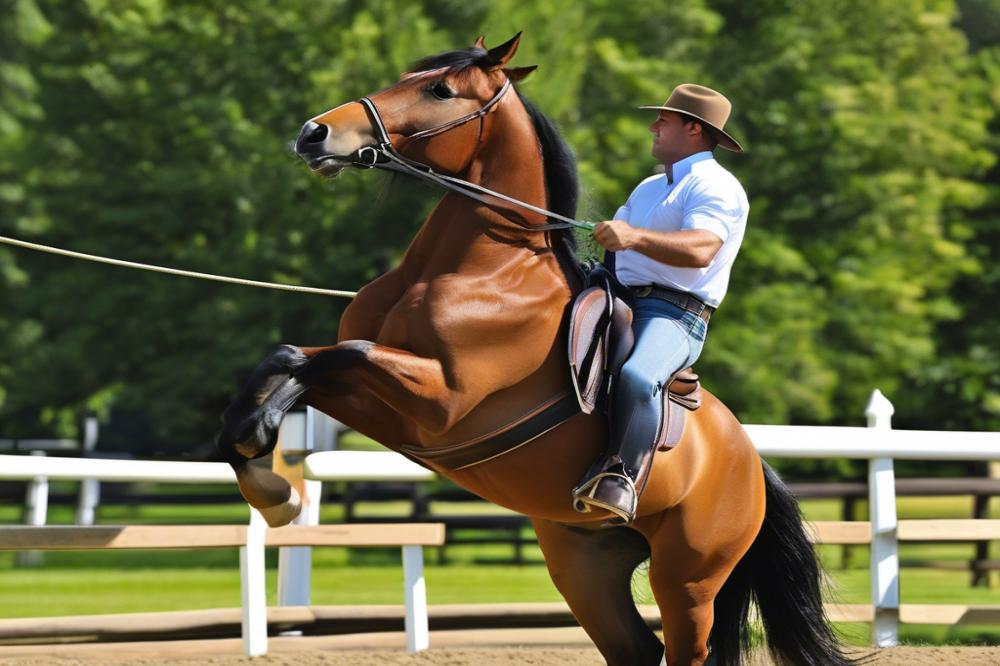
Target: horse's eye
[442, 91]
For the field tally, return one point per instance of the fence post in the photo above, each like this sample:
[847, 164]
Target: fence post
[885, 546]
[415, 590]
[253, 587]
[36, 509]
[295, 441]
[90, 489]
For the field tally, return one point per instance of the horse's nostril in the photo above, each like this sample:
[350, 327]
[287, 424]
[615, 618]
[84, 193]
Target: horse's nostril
[317, 135]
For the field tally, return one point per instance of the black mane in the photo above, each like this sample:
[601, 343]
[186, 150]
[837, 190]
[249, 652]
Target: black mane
[458, 60]
[561, 182]
[563, 190]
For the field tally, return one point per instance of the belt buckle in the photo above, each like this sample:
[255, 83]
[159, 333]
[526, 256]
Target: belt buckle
[642, 292]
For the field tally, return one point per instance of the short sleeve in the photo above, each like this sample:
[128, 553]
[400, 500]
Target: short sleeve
[716, 208]
[624, 212]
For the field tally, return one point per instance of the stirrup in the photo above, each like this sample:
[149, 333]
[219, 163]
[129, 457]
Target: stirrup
[584, 498]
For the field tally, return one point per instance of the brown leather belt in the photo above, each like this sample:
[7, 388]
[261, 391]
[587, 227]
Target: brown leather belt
[681, 299]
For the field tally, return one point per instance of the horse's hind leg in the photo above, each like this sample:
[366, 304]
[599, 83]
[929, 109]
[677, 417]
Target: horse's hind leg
[593, 571]
[693, 553]
[686, 609]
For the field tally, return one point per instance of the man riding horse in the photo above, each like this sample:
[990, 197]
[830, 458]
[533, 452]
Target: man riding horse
[457, 357]
[674, 242]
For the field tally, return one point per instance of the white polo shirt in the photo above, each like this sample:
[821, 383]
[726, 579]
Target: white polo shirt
[702, 195]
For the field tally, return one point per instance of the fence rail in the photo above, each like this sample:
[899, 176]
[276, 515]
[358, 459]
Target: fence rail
[251, 539]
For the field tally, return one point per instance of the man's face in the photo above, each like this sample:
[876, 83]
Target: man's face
[671, 139]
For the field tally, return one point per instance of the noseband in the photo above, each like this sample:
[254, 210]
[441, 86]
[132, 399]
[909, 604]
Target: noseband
[383, 155]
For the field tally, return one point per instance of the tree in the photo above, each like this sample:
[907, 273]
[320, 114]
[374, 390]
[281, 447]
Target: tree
[962, 389]
[866, 139]
[158, 133]
[161, 137]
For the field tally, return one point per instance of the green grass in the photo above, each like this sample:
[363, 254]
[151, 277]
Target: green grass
[87, 582]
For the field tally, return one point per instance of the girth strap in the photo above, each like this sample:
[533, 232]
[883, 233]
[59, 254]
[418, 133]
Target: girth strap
[543, 418]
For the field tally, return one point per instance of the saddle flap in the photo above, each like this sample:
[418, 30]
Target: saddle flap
[682, 394]
[587, 334]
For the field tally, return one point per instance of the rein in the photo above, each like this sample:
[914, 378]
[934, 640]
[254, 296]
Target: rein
[384, 156]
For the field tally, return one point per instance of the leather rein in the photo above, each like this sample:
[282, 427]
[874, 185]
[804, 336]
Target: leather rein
[383, 155]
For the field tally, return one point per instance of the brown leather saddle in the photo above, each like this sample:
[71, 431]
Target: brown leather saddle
[600, 341]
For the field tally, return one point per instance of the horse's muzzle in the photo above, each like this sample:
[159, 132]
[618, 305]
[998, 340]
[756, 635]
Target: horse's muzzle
[309, 145]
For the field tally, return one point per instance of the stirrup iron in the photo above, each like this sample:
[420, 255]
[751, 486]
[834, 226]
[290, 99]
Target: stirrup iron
[584, 498]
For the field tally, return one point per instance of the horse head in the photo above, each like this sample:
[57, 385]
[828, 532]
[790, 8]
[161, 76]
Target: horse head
[436, 114]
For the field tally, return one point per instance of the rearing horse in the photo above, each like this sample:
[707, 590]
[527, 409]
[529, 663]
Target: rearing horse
[464, 343]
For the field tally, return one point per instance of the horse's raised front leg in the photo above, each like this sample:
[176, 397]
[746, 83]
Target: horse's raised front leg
[424, 389]
[593, 572]
[245, 425]
[249, 425]
[406, 384]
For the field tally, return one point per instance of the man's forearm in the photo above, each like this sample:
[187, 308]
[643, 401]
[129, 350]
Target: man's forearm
[689, 248]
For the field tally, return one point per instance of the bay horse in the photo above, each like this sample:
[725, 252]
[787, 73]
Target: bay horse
[464, 343]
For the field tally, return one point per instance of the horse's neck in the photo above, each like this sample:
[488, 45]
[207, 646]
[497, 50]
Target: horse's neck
[510, 162]
[461, 231]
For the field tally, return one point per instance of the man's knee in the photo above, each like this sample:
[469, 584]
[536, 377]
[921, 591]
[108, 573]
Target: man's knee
[636, 383]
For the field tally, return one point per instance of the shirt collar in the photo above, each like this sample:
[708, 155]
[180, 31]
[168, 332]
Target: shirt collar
[683, 167]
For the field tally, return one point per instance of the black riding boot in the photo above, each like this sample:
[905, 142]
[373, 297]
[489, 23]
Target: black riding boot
[616, 480]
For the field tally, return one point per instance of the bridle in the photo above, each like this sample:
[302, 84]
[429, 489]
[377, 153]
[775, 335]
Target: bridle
[383, 155]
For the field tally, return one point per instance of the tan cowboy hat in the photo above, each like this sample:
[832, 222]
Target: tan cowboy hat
[705, 104]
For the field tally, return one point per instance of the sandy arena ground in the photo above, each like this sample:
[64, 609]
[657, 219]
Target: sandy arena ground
[552, 647]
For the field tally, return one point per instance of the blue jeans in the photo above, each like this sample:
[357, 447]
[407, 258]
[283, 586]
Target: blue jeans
[667, 339]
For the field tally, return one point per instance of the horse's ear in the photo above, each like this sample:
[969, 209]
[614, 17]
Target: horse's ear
[516, 74]
[501, 55]
[480, 42]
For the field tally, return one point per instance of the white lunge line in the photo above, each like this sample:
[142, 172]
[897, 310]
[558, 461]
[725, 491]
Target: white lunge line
[175, 271]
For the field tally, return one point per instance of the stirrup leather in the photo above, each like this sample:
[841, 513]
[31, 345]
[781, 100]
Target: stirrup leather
[584, 500]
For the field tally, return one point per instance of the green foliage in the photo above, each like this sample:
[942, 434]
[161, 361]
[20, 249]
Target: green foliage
[158, 132]
[965, 380]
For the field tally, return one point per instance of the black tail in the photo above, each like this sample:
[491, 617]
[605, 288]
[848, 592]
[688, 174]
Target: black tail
[781, 574]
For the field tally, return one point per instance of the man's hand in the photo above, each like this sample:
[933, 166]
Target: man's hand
[615, 235]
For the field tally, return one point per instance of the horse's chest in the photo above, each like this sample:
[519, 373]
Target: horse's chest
[449, 310]
[414, 316]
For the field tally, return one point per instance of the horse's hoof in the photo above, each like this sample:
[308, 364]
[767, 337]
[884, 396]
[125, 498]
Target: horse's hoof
[283, 514]
[276, 500]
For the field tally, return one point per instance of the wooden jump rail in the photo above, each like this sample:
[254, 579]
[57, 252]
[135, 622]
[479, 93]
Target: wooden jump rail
[251, 540]
[855, 532]
[859, 532]
[72, 537]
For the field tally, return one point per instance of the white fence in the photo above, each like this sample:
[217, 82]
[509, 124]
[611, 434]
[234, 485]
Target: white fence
[343, 466]
[878, 443]
[881, 445]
